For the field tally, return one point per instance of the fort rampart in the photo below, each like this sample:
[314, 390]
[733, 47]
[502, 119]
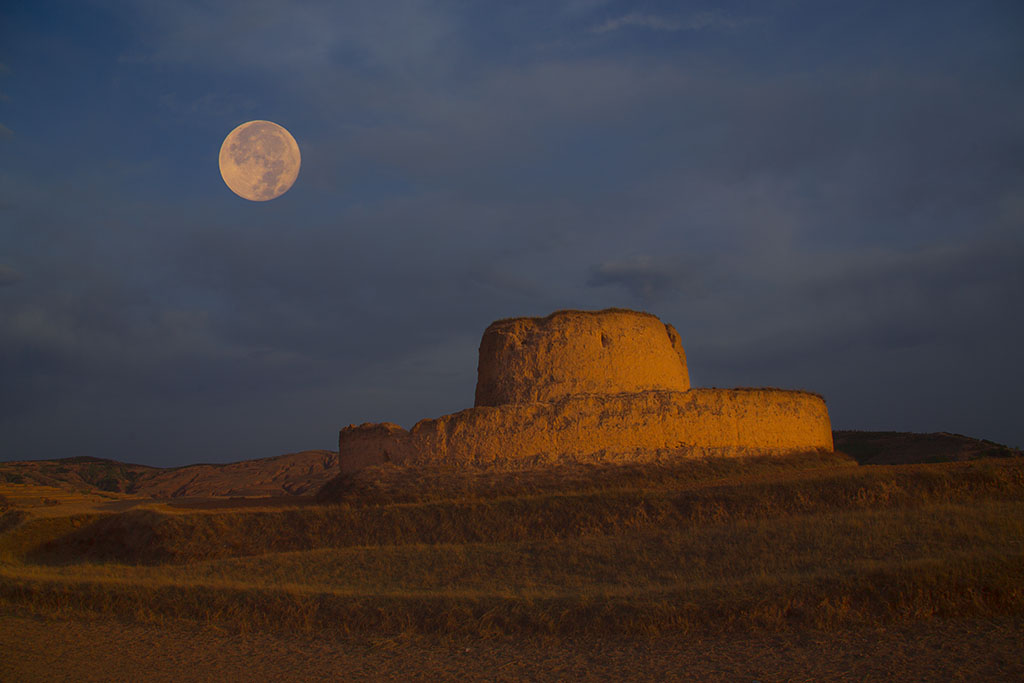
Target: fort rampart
[608, 386]
[614, 428]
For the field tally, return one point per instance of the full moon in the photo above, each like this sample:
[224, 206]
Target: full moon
[259, 160]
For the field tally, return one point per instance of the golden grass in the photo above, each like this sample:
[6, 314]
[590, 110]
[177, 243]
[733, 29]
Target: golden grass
[696, 548]
[389, 484]
[39, 500]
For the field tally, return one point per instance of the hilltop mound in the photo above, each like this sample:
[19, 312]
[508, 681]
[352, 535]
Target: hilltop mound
[898, 448]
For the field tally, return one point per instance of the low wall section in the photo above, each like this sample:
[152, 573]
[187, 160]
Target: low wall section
[601, 428]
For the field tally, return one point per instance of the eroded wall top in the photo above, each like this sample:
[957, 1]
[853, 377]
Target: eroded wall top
[526, 360]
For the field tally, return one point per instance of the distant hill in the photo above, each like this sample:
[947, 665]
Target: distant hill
[284, 475]
[902, 448]
[305, 472]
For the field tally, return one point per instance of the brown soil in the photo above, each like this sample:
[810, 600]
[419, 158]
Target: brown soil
[46, 649]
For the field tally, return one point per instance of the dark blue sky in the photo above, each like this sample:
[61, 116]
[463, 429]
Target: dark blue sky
[820, 195]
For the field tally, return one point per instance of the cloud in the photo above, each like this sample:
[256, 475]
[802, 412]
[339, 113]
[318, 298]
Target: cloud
[400, 37]
[582, 6]
[516, 182]
[638, 276]
[807, 308]
[695, 22]
[8, 275]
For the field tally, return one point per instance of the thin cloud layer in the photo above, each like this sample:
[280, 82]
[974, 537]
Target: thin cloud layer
[695, 22]
[638, 276]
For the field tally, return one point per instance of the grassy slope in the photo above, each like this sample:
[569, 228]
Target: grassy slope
[696, 547]
[299, 473]
[896, 448]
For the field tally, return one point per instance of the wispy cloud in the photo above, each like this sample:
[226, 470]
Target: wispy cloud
[695, 22]
[267, 35]
[638, 275]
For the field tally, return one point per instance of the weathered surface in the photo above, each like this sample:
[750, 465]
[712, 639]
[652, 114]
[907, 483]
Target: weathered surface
[593, 386]
[372, 444]
[624, 427]
[568, 353]
[677, 344]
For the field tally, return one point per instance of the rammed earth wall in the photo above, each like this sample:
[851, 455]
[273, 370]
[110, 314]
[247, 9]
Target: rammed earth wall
[608, 386]
[528, 360]
[623, 427]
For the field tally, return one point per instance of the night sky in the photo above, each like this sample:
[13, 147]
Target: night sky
[818, 195]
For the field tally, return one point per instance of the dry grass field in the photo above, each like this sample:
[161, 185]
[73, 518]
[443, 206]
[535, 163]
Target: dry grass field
[571, 572]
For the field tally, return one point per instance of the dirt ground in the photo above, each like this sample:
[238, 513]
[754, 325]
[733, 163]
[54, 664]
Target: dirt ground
[34, 648]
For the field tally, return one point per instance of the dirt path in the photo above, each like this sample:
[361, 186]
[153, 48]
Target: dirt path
[44, 649]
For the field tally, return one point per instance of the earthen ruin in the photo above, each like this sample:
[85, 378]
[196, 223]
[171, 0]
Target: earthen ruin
[601, 386]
